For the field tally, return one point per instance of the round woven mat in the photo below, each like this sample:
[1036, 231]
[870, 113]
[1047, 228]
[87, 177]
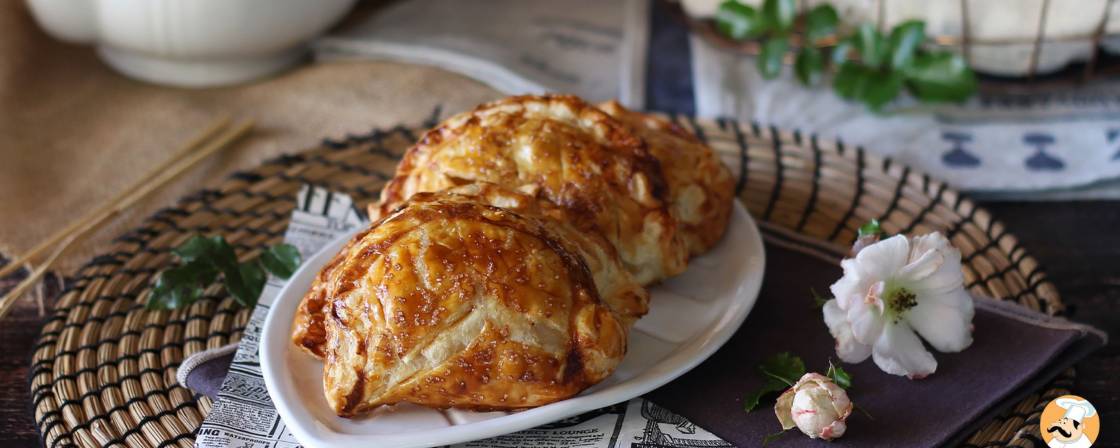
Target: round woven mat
[103, 372]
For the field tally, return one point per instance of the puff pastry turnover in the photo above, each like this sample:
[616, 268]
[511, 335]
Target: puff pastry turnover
[595, 168]
[701, 188]
[473, 298]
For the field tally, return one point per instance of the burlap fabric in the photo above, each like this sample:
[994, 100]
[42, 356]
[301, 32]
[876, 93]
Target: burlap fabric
[74, 133]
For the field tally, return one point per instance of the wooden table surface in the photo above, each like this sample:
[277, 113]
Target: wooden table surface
[1077, 242]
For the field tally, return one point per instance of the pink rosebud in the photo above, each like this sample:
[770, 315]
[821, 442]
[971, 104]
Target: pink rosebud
[816, 406]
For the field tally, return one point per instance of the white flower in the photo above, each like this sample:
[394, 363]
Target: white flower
[816, 406]
[893, 288]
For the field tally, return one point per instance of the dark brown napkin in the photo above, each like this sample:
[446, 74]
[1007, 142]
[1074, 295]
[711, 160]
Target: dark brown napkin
[1014, 352]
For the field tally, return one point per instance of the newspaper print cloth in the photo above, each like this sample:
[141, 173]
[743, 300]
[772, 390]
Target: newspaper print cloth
[243, 415]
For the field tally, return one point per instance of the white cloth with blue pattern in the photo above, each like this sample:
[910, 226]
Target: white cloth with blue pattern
[1036, 145]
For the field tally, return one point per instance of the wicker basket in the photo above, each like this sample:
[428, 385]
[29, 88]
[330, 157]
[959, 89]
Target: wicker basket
[103, 372]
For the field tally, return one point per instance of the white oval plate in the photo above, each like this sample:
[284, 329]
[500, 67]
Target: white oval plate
[690, 316]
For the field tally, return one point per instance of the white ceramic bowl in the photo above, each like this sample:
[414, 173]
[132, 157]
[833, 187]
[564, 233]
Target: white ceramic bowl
[192, 43]
[690, 316]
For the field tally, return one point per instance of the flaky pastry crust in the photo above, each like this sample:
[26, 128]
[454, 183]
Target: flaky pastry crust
[562, 149]
[701, 188]
[453, 301]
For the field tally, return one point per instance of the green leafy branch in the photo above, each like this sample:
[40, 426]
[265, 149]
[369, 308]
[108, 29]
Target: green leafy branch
[782, 371]
[867, 66]
[204, 258]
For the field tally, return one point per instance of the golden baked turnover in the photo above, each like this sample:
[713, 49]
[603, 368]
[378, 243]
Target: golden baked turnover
[471, 298]
[562, 149]
[700, 186]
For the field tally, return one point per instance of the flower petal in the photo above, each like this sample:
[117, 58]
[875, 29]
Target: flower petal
[919, 269]
[866, 320]
[948, 276]
[899, 352]
[783, 408]
[838, 398]
[946, 323]
[833, 431]
[881, 260]
[847, 347]
[954, 296]
[849, 287]
[812, 409]
[929, 242]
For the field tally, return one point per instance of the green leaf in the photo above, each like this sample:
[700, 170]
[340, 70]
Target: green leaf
[246, 289]
[942, 76]
[881, 88]
[785, 367]
[213, 250]
[770, 59]
[818, 300]
[204, 258]
[839, 376]
[872, 227]
[168, 296]
[240, 282]
[780, 13]
[809, 66]
[781, 371]
[821, 22]
[773, 437]
[905, 39]
[751, 401]
[180, 286]
[850, 80]
[872, 46]
[281, 260]
[255, 277]
[739, 21]
[224, 259]
[198, 248]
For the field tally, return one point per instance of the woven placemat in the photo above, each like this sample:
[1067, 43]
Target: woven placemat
[103, 372]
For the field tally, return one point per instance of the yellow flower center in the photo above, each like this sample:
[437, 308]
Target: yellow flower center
[898, 300]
